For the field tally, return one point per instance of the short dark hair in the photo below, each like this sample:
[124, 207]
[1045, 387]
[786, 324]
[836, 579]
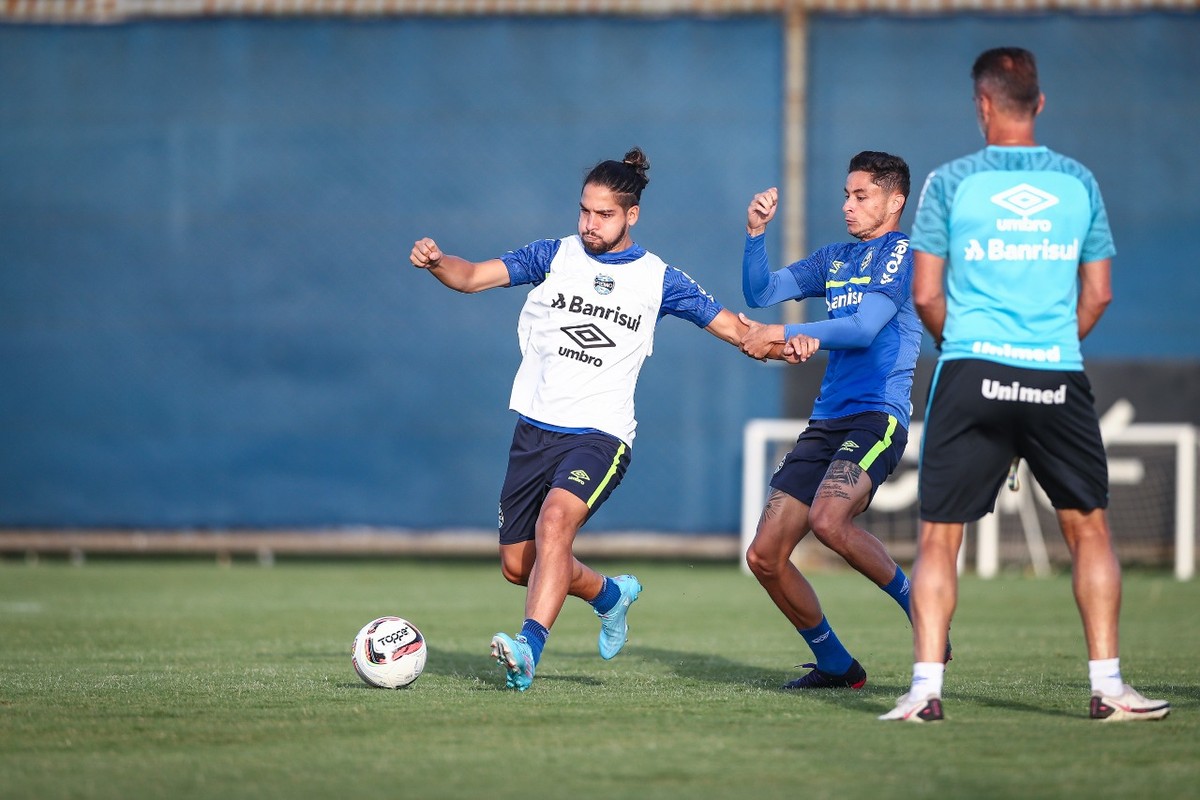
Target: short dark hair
[625, 178]
[1008, 76]
[887, 171]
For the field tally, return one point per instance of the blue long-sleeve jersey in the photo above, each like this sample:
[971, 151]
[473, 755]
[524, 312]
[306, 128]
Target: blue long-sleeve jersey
[874, 377]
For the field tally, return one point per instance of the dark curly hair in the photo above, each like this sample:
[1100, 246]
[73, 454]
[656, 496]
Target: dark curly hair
[887, 171]
[625, 178]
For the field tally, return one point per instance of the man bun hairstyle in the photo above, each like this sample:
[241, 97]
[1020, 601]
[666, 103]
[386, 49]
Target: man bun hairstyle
[625, 178]
[887, 171]
[1008, 77]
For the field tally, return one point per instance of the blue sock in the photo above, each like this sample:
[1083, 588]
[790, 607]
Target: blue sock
[832, 657]
[535, 636]
[610, 595]
[898, 589]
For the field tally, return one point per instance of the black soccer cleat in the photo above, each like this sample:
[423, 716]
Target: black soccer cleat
[853, 678]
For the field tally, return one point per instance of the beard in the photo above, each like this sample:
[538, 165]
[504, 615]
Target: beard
[864, 230]
[599, 246]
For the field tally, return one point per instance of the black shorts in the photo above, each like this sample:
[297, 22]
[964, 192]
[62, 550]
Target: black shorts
[982, 415]
[588, 465]
[873, 440]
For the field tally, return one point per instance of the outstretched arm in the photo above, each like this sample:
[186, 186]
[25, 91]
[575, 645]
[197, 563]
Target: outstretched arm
[734, 327]
[770, 341]
[458, 273]
[854, 331]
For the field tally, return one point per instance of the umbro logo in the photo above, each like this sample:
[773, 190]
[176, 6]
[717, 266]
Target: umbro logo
[588, 336]
[849, 444]
[579, 476]
[1024, 199]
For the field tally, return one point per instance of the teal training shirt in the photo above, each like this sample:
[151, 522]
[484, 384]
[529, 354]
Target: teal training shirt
[1014, 224]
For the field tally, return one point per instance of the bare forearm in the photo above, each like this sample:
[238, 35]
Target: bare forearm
[455, 272]
[929, 296]
[733, 328]
[933, 317]
[1095, 293]
[458, 273]
[1089, 314]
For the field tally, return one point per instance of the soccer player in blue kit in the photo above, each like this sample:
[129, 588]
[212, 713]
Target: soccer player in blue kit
[585, 330]
[859, 423]
[1012, 270]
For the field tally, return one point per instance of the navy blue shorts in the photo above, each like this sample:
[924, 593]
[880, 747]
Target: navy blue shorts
[588, 465]
[873, 440]
[983, 414]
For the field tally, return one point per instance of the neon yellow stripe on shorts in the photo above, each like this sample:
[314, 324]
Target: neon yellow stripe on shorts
[881, 445]
[612, 470]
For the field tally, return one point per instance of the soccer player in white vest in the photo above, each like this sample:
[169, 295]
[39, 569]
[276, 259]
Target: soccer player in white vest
[585, 330]
[858, 427]
[1012, 269]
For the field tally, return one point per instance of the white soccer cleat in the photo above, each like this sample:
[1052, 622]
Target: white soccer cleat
[1128, 705]
[924, 708]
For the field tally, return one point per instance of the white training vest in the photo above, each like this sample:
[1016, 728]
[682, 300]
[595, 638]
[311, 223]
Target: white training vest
[584, 334]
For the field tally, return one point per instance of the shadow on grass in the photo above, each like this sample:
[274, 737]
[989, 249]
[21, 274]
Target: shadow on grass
[476, 671]
[1179, 695]
[715, 669]
[1010, 703]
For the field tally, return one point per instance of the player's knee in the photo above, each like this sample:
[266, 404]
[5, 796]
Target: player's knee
[513, 573]
[765, 563]
[515, 566]
[832, 529]
[557, 517]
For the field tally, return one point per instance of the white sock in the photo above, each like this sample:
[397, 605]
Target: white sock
[927, 678]
[1105, 675]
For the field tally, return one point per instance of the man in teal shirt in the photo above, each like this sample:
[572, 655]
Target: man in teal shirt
[1011, 270]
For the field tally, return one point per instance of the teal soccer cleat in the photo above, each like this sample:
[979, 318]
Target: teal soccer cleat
[614, 629]
[516, 658]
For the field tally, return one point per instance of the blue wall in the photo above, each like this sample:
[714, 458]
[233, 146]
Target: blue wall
[207, 317]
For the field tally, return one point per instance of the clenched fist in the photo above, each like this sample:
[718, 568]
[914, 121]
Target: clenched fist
[425, 254]
[761, 211]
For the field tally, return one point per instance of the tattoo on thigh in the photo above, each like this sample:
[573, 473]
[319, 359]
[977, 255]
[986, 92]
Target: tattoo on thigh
[839, 479]
[774, 505]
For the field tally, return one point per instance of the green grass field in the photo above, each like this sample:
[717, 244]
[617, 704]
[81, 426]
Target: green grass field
[181, 679]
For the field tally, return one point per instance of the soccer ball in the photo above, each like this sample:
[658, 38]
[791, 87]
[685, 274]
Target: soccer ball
[389, 653]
